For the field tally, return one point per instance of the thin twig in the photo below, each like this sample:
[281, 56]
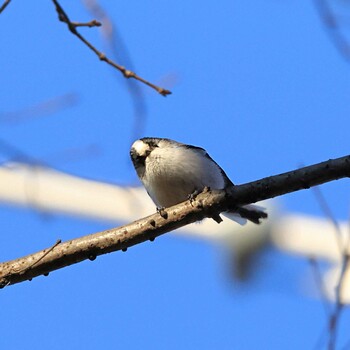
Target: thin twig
[322, 338]
[334, 316]
[332, 27]
[320, 285]
[45, 252]
[17, 154]
[4, 5]
[44, 108]
[92, 23]
[328, 213]
[74, 154]
[209, 204]
[339, 304]
[63, 17]
[121, 54]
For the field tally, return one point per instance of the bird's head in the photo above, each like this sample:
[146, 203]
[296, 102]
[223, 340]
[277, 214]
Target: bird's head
[141, 149]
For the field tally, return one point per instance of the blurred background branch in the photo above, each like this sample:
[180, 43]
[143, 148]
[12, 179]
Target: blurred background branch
[121, 53]
[332, 26]
[204, 205]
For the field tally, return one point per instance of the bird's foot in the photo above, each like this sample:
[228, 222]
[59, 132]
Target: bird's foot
[162, 212]
[206, 189]
[191, 197]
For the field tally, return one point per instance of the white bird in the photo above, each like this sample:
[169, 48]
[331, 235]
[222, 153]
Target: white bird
[171, 172]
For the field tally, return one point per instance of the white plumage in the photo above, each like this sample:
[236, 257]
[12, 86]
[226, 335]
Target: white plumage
[172, 171]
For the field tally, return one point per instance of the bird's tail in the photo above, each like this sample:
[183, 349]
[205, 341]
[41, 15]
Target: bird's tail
[249, 212]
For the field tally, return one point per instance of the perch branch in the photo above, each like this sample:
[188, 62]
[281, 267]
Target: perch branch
[63, 17]
[206, 204]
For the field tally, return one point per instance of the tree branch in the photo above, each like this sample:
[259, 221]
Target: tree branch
[331, 25]
[206, 204]
[92, 23]
[120, 52]
[4, 5]
[334, 319]
[63, 17]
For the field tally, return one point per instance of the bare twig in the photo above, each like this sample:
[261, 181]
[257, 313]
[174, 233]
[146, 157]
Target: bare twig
[17, 154]
[332, 27]
[63, 17]
[43, 108]
[322, 339]
[335, 314]
[320, 285]
[335, 317]
[332, 315]
[4, 5]
[208, 204]
[74, 154]
[92, 23]
[120, 53]
[328, 212]
[339, 303]
[45, 253]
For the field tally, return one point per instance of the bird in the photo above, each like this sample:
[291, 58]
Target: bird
[173, 172]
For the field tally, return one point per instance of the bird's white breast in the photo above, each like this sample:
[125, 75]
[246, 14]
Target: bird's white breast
[174, 172]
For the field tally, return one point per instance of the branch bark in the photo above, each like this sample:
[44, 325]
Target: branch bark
[206, 204]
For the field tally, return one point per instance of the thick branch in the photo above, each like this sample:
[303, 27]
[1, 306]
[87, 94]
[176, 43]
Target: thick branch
[206, 204]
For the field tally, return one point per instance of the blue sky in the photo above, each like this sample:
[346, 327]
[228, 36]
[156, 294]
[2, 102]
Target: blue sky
[259, 85]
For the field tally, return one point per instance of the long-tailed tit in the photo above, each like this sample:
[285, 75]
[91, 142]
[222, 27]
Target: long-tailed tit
[171, 172]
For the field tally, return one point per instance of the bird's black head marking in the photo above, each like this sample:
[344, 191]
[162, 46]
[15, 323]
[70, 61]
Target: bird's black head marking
[151, 141]
[140, 150]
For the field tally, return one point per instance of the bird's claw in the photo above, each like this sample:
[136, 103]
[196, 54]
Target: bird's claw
[192, 196]
[206, 189]
[162, 212]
